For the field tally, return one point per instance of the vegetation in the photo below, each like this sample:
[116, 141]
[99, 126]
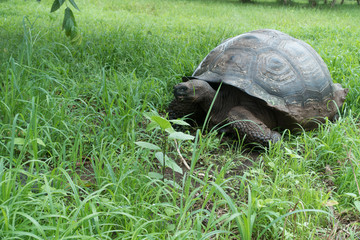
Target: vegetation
[70, 116]
[69, 23]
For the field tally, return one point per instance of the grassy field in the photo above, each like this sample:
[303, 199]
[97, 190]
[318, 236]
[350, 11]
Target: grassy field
[70, 116]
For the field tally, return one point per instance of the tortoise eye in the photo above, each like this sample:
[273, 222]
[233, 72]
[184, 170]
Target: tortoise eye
[185, 79]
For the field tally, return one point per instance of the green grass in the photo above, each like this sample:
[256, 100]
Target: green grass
[70, 114]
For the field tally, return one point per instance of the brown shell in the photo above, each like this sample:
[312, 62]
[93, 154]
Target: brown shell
[285, 72]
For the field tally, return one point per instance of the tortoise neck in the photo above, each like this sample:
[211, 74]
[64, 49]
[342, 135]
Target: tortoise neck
[219, 106]
[207, 99]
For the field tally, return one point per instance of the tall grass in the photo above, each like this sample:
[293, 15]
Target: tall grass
[70, 114]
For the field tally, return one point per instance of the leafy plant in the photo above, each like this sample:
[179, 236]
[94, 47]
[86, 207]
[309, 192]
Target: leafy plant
[167, 133]
[69, 23]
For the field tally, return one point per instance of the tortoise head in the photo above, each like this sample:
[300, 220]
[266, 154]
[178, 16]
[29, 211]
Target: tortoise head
[193, 91]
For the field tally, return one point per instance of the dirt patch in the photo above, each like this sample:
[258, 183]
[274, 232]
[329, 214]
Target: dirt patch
[85, 171]
[346, 220]
[242, 164]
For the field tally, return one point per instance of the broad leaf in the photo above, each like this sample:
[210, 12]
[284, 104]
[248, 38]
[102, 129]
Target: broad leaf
[179, 122]
[351, 195]
[151, 126]
[180, 136]
[170, 130]
[163, 123]
[331, 203]
[168, 162]
[170, 212]
[40, 142]
[170, 227]
[69, 23]
[74, 4]
[148, 115]
[155, 175]
[19, 141]
[147, 145]
[56, 5]
[357, 205]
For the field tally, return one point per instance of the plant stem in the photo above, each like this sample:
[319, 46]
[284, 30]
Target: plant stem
[164, 151]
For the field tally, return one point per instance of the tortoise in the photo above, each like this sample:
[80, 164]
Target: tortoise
[258, 81]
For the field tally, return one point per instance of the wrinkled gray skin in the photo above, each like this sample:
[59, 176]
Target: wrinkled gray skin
[246, 115]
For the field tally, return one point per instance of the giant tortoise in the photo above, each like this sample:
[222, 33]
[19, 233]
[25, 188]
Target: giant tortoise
[257, 82]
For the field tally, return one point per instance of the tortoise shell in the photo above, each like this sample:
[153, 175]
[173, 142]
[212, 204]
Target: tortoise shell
[286, 73]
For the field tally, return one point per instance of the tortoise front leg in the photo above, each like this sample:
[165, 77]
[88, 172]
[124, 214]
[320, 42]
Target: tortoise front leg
[246, 124]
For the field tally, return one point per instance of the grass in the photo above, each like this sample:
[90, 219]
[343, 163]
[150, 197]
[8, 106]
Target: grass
[70, 116]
